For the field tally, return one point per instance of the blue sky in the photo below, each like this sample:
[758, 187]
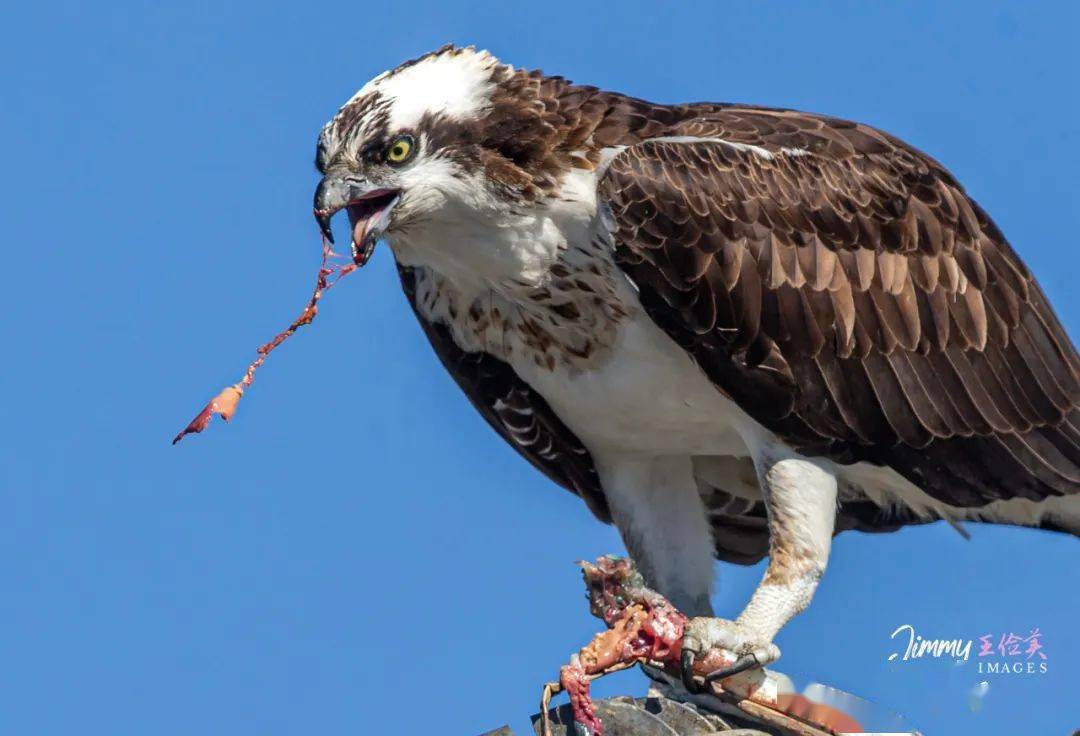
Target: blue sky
[358, 543]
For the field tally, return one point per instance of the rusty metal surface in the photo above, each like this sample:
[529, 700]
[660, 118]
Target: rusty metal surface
[682, 717]
[782, 721]
[661, 716]
[620, 718]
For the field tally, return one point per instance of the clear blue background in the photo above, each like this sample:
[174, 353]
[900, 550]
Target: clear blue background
[358, 551]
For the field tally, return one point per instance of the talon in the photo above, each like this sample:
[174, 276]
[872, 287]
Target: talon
[742, 664]
[728, 646]
[686, 671]
[756, 658]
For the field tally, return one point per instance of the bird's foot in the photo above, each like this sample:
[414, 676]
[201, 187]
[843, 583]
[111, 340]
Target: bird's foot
[725, 647]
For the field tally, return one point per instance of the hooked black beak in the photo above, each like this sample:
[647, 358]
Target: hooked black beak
[328, 200]
[368, 207]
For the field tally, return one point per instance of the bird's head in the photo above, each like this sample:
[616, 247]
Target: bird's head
[450, 138]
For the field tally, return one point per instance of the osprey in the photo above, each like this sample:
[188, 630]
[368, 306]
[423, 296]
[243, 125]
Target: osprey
[733, 331]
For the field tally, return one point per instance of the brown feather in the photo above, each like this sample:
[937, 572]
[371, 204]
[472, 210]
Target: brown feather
[851, 289]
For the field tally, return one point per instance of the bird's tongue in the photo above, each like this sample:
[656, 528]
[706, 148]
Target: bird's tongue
[361, 228]
[363, 239]
[368, 216]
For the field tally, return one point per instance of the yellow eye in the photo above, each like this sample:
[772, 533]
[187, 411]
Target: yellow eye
[400, 150]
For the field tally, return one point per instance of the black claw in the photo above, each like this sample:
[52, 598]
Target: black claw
[686, 671]
[743, 663]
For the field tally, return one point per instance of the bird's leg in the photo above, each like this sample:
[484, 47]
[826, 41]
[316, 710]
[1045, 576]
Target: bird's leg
[659, 513]
[800, 496]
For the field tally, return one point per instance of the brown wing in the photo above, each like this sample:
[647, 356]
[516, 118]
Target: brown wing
[847, 294]
[515, 411]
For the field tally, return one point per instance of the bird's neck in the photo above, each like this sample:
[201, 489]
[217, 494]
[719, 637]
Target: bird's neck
[543, 289]
[511, 248]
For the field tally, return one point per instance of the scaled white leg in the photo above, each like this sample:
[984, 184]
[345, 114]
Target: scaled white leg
[800, 496]
[656, 506]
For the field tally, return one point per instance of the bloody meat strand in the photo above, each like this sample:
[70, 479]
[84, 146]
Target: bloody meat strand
[225, 403]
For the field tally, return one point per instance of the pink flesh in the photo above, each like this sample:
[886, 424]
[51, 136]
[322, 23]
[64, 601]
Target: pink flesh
[576, 683]
[361, 227]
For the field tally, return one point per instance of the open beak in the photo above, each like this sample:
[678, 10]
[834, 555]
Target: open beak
[368, 208]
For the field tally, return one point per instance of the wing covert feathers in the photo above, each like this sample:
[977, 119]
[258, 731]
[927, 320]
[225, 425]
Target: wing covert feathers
[844, 290]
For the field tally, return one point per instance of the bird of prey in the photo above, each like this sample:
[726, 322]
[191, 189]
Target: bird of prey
[734, 331]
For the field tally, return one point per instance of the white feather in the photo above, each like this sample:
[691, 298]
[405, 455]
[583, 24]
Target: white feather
[456, 83]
